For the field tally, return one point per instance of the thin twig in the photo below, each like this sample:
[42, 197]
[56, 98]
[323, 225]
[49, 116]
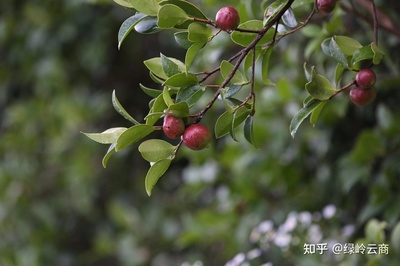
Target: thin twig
[375, 18]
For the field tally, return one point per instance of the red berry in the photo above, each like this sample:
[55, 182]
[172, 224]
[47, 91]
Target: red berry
[196, 137]
[366, 78]
[326, 6]
[362, 96]
[227, 18]
[173, 126]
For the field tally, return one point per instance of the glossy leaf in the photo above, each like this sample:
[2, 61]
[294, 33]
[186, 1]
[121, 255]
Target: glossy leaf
[272, 10]
[227, 121]
[147, 25]
[248, 130]
[132, 135]
[127, 26]
[154, 150]
[230, 90]
[364, 53]
[289, 19]
[190, 94]
[338, 73]
[199, 32]
[182, 80]
[121, 110]
[239, 115]
[148, 7]
[108, 136]
[245, 38]
[170, 15]
[319, 87]
[302, 114]
[169, 66]
[226, 70]
[180, 109]
[109, 153]
[149, 91]
[154, 174]
[182, 39]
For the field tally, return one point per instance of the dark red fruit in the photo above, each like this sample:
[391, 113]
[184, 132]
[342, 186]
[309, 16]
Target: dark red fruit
[196, 137]
[326, 6]
[173, 126]
[362, 96]
[227, 18]
[366, 78]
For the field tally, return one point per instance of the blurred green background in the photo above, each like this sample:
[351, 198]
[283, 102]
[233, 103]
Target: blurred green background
[336, 182]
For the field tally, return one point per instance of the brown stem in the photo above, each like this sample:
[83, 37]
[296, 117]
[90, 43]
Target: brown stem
[375, 18]
[345, 87]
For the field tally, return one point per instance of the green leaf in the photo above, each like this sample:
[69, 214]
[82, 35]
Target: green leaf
[192, 52]
[239, 115]
[228, 121]
[273, 10]
[127, 26]
[199, 32]
[106, 137]
[124, 3]
[230, 90]
[364, 53]
[157, 110]
[182, 80]
[148, 7]
[154, 150]
[226, 70]
[118, 107]
[147, 25]
[107, 156]
[155, 172]
[182, 39]
[289, 19]
[378, 54]
[346, 44]
[248, 130]
[338, 73]
[319, 87]
[180, 109]
[317, 111]
[151, 92]
[169, 66]
[303, 114]
[186, 6]
[156, 67]
[132, 135]
[190, 94]
[265, 65]
[330, 48]
[171, 15]
[245, 38]
[167, 96]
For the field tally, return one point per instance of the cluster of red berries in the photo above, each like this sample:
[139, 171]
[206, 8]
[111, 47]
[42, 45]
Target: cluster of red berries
[364, 92]
[195, 136]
